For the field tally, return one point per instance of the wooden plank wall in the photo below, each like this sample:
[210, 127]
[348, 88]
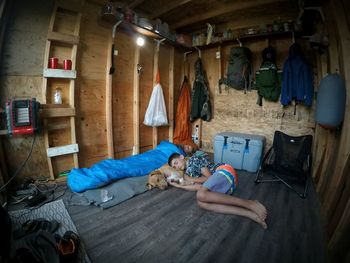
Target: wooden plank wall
[122, 95]
[146, 87]
[21, 77]
[332, 162]
[91, 87]
[238, 112]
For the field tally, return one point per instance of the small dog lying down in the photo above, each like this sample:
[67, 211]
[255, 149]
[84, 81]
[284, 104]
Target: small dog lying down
[159, 178]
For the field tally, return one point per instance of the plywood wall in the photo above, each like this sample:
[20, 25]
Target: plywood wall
[21, 77]
[145, 91]
[91, 87]
[332, 164]
[238, 112]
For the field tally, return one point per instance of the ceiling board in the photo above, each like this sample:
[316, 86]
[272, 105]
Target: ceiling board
[189, 16]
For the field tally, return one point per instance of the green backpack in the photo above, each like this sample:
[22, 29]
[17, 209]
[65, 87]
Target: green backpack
[268, 82]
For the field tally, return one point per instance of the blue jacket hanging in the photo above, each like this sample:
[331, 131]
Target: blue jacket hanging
[297, 83]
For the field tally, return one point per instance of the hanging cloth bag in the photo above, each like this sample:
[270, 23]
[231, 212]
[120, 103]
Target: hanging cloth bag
[156, 111]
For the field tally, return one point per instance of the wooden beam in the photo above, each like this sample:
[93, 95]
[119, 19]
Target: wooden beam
[57, 112]
[228, 8]
[168, 7]
[65, 38]
[109, 97]
[155, 70]
[62, 150]
[44, 87]
[135, 3]
[70, 5]
[171, 95]
[136, 102]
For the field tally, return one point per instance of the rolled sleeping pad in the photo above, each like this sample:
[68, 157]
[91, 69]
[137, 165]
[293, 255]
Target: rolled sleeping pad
[331, 99]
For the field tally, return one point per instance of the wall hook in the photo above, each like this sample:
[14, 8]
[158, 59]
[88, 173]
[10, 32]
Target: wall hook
[239, 42]
[158, 42]
[139, 69]
[185, 54]
[199, 52]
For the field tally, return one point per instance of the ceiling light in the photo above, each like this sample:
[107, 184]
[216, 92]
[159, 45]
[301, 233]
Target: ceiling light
[140, 41]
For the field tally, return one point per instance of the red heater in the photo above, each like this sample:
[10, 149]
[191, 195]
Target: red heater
[22, 116]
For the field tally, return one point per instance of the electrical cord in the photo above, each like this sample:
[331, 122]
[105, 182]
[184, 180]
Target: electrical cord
[21, 167]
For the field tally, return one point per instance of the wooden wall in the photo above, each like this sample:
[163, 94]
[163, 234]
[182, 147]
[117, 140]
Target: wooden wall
[91, 87]
[238, 112]
[332, 147]
[21, 77]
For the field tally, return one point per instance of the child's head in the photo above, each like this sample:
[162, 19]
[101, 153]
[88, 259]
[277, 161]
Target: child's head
[177, 161]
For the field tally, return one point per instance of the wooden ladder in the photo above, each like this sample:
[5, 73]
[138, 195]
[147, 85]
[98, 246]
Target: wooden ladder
[59, 119]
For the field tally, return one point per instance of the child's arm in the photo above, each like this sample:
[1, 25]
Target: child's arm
[192, 187]
[205, 174]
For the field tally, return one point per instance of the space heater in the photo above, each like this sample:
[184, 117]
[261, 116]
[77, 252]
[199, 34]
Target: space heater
[22, 116]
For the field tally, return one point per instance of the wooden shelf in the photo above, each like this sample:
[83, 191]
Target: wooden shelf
[59, 119]
[56, 111]
[64, 38]
[62, 150]
[127, 26]
[59, 73]
[247, 37]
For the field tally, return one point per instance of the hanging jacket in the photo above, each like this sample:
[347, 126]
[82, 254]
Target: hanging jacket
[183, 128]
[297, 80]
[200, 107]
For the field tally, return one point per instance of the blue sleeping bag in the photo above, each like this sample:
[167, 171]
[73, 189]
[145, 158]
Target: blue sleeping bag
[109, 170]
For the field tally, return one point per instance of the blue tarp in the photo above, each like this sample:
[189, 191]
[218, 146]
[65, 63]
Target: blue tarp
[109, 170]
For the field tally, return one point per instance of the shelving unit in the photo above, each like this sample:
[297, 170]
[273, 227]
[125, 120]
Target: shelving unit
[59, 119]
[248, 37]
[127, 26]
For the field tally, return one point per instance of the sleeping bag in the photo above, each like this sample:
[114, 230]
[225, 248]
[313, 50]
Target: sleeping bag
[109, 170]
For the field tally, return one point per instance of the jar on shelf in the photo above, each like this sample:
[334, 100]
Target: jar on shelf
[57, 97]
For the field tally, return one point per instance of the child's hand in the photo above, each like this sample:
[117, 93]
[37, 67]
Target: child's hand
[174, 183]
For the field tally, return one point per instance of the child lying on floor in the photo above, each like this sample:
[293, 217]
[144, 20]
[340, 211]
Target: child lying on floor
[214, 184]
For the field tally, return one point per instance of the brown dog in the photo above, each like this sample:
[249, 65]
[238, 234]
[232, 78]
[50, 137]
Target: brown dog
[159, 178]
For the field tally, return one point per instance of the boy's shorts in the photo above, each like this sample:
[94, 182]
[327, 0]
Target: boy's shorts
[224, 180]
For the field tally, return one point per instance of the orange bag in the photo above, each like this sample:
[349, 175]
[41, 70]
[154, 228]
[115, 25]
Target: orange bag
[183, 127]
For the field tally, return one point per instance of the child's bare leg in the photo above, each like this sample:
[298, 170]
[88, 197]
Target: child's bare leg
[232, 210]
[206, 196]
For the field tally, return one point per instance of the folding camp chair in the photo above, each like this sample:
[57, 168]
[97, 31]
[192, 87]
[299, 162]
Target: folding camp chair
[287, 161]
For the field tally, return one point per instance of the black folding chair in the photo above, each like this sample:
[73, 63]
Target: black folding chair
[287, 161]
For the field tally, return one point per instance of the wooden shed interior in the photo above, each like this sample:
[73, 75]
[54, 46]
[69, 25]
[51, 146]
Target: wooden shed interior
[101, 115]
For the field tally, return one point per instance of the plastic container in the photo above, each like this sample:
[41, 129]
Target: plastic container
[242, 151]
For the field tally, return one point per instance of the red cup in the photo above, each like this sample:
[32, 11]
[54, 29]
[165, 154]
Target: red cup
[53, 63]
[67, 64]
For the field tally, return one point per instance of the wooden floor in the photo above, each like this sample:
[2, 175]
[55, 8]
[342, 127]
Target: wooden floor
[167, 226]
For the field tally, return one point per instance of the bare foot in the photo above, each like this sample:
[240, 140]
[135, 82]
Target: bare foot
[259, 209]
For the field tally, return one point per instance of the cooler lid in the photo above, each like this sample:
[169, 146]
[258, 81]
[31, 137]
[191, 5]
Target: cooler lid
[220, 136]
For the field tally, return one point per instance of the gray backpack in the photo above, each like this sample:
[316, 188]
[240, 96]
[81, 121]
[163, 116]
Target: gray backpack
[239, 70]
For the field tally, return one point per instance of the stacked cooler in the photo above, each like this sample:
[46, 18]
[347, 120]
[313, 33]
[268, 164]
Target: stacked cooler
[242, 151]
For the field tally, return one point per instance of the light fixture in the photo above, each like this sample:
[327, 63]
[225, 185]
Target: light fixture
[140, 41]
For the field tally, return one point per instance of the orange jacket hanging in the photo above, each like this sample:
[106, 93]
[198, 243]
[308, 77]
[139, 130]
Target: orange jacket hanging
[183, 127]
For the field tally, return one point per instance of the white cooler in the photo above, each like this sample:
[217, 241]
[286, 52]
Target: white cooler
[242, 151]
